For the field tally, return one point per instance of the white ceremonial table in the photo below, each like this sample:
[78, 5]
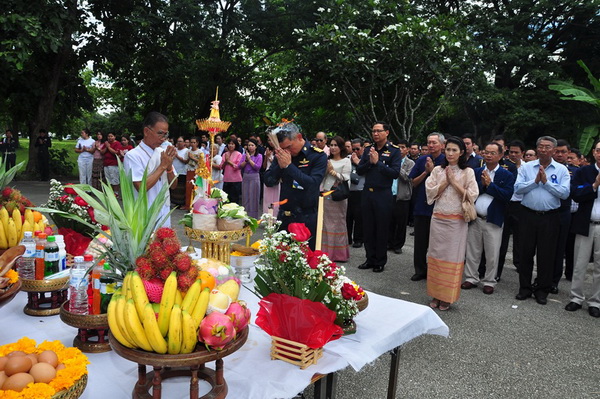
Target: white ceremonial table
[249, 372]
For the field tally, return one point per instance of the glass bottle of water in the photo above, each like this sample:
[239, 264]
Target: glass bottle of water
[26, 263]
[78, 286]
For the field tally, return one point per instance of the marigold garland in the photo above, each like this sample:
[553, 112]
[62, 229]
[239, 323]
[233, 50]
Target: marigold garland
[75, 367]
[12, 276]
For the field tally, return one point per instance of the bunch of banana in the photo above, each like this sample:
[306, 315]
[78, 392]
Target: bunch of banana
[13, 227]
[133, 322]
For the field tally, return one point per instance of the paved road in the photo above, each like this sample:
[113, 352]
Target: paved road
[498, 347]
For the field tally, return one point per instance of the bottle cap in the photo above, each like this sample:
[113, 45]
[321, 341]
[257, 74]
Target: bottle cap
[42, 236]
[37, 233]
[78, 259]
[28, 234]
[88, 257]
[107, 266]
[51, 239]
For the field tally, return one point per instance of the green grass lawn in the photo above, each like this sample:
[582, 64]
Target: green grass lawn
[69, 145]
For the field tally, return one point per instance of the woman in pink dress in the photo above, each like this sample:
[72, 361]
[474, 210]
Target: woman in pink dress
[250, 165]
[270, 194]
[232, 174]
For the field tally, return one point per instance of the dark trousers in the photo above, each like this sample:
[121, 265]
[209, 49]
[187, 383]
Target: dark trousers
[234, 191]
[306, 216]
[43, 162]
[541, 231]
[561, 245]
[422, 225]
[511, 226]
[399, 223]
[377, 213]
[11, 160]
[354, 217]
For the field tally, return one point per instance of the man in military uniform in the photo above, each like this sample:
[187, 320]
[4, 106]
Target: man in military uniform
[300, 169]
[380, 164]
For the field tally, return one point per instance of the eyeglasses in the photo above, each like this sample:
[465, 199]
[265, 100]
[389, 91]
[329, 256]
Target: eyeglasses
[356, 149]
[377, 131]
[596, 149]
[160, 132]
[319, 140]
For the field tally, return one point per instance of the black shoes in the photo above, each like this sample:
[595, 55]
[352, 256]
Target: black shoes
[554, 290]
[398, 251]
[365, 265]
[541, 300]
[357, 244]
[572, 306]
[522, 297]
[378, 269]
[418, 277]
[593, 311]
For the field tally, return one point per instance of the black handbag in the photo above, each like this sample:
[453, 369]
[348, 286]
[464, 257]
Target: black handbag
[341, 192]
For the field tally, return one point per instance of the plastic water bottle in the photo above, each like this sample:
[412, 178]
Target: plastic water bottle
[78, 285]
[62, 252]
[51, 257]
[26, 263]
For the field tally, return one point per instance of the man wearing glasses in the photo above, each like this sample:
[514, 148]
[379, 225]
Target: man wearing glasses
[380, 164]
[300, 169]
[543, 183]
[321, 140]
[150, 156]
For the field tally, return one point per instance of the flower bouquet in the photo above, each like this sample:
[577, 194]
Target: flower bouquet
[288, 266]
[42, 371]
[64, 198]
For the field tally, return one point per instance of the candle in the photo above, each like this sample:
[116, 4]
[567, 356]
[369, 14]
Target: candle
[319, 224]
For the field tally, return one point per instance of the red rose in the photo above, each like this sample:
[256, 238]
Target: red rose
[63, 198]
[70, 190]
[313, 258]
[90, 212]
[300, 231]
[80, 201]
[349, 292]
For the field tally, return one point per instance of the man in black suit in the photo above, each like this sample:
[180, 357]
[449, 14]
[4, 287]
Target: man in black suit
[586, 226]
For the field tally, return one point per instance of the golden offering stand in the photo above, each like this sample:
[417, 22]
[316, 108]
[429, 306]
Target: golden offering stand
[44, 297]
[92, 330]
[216, 244]
[190, 364]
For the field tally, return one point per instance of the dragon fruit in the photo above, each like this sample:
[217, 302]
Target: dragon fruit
[216, 330]
[239, 315]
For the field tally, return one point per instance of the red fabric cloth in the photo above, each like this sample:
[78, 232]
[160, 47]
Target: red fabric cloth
[75, 243]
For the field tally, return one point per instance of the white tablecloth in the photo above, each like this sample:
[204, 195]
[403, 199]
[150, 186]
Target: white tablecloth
[249, 372]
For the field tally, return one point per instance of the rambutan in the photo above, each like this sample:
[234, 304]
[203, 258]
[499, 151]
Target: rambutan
[154, 288]
[10, 206]
[146, 272]
[154, 246]
[6, 192]
[193, 273]
[182, 262]
[159, 259]
[142, 261]
[165, 272]
[15, 195]
[164, 232]
[22, 209]
[171, 246]
[184, 282]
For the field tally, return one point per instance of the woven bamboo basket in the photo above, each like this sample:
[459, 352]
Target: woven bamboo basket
[10, 293]
[294, 352]
[75, 391]
[47, 285]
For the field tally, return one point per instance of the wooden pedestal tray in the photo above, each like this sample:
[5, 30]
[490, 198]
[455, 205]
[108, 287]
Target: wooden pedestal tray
[10, 293]
[168, 366]
[38, 304]
[217, 244]
[92, 330]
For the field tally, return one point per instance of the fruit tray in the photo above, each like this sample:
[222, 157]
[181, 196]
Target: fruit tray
[218, 236]
[46, 285]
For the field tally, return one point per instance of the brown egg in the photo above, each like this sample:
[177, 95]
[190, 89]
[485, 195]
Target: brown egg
[61, 367]
[48, 357]
[17, 364]
[16, 353]
[42, 372]
[3, 378]
[33, 358]
[3, 361]
[17, 382]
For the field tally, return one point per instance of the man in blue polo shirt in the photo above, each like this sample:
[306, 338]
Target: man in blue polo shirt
[543, 183]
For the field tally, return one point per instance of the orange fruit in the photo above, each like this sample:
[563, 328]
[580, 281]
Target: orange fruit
[208, 281]
[37, 216]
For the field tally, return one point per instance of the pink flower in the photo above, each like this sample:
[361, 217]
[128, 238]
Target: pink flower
[70, 190]
[63, 198]
[80, 201]
[300, 231]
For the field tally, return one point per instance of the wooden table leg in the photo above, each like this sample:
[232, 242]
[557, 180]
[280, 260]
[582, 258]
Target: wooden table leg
[393, 378]
[156, 383]
[194, 382]
[141, 384]
[220, 380]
